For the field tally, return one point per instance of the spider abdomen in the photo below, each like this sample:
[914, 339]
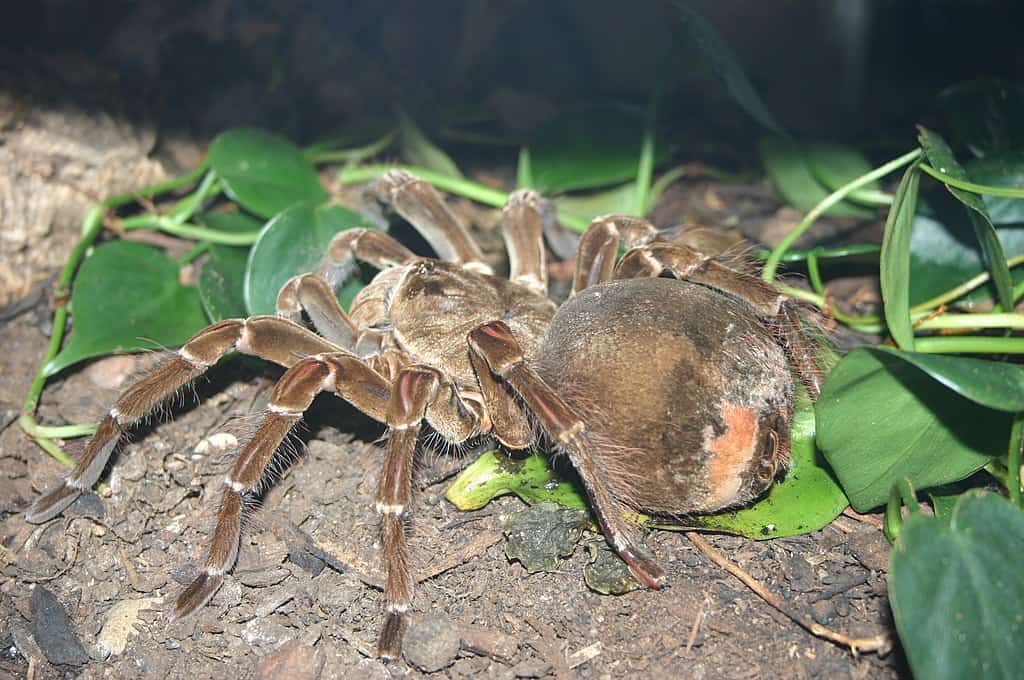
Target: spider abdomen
[686, 395]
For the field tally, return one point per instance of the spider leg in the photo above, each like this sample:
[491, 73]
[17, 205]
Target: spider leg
[599, 247]
[522, 226]
[494, 344]
[316, 293]
[267, 337]
[340, 372]
[420, 204]
[690, 265]
[417, 392]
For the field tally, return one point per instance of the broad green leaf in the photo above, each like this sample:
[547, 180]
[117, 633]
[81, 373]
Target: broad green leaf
[944, 252]
[726, 65]
[986, 114]
[785, 161]
[995, 384]
[1002, 169]
[956, 591]
[126, 298]
[894, 261]
[836, 165]
[264, 172]
[221, 282]
[417, 149]
[232, 222]
[586, 206]
[807, 499]
[881, 419]
[293, 243]
[941, 158]
[589, 149]
[531, 478]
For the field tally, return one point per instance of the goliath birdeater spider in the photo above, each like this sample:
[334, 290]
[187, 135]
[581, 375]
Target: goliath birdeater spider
[666, 379]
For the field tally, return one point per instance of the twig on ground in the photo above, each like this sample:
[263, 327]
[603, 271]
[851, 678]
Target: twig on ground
[879, 643]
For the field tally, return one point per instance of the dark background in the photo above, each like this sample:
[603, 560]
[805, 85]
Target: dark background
[843, 69]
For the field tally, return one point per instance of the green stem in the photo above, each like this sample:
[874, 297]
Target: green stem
[815, 274]
[92, 225]
[645, 166]
[1013, 457]
[666, 180]
[194, 252]
[994, 320]
[772, 263]
[969, 345]
[971, 186]
[186, 207]
[355, 155]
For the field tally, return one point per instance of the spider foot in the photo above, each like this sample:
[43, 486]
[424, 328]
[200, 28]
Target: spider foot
[196, 595]
[389, 645]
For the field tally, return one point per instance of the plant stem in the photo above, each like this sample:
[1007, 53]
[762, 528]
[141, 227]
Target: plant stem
[92, 225]
[995, 320]
[645, 166]
[1009, 192]
[772, 263]
[354, 155]
[969, 345]
[1013, 457]
[190, 231]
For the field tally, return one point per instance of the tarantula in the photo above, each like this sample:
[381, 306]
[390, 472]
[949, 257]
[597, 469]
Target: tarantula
[666, 379]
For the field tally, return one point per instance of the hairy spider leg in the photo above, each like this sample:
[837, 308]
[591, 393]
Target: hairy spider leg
[522, 228]
[422, 206]
[270, 338]
[495, 345]
[599, 247]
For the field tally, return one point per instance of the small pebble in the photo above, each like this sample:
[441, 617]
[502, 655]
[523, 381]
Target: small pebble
[221, 441]
[431, 644]
[53, 632]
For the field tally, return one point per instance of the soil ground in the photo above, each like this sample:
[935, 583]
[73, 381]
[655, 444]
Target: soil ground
[302, 601]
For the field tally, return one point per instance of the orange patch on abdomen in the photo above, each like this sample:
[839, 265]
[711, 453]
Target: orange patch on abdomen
[731, 453]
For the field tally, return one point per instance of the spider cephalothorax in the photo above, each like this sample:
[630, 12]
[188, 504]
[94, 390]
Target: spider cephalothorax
[668, 394]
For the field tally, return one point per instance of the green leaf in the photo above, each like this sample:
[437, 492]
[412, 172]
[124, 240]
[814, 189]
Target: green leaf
[417, 149]
[293, 243]
[880, 419]
[492, 475]
[894, 261]
[1002, 169]
[221, 283]
[986, 114]
[264, 172]
[944, 252]
[806, 500]
[127, 298]
[941, 158]
[956, 591]
[995, 384]
[586, 206]
[589, 149]
[836, 165]
[726, 65]
[785, 160]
